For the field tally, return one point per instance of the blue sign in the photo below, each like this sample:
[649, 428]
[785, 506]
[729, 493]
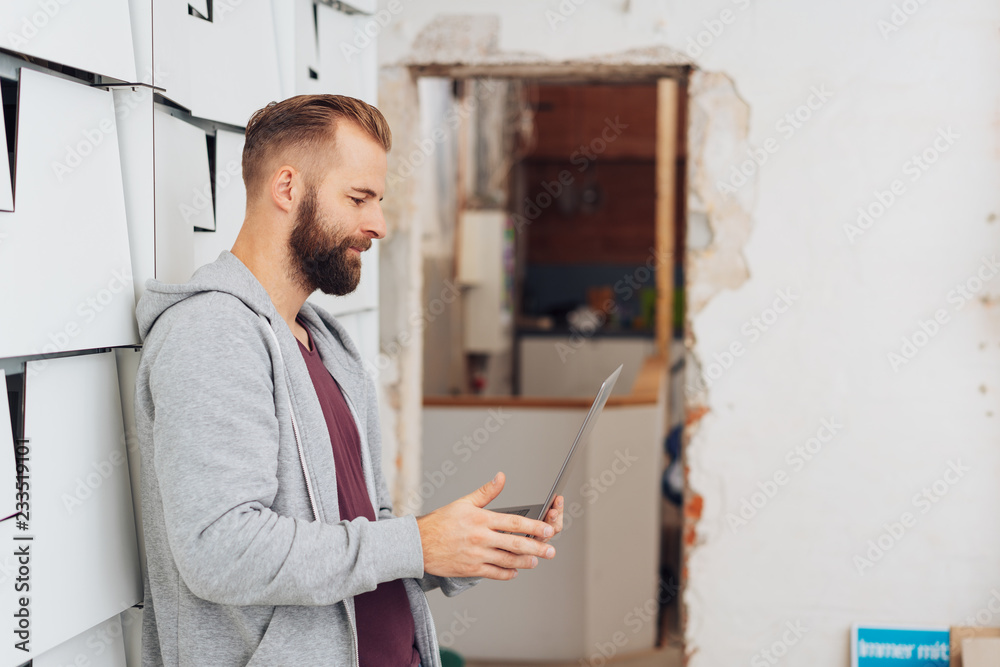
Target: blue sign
[899, 647]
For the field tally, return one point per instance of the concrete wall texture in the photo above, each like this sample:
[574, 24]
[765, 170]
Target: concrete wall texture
[843, 333]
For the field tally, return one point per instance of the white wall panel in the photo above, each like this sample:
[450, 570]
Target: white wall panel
[100, 646]
[183, 194]
[364, 297]
[6, 184]
[141, 19]
[84, 563]
[296, 41]
[65, 248]
[362, 327]
[8, 471]
[132, 631]
[224, 69]
[171, 56]
[230, 199]
[134, 118]
[345, 67]
[127, 363]
[368, 339]
[92, 35]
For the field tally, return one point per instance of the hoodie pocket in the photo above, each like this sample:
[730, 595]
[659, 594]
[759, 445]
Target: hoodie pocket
[300, 636]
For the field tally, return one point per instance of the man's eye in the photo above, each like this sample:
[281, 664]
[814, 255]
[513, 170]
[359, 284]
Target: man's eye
[358, 201]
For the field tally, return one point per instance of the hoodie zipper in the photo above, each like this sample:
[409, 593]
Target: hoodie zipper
[309, 488]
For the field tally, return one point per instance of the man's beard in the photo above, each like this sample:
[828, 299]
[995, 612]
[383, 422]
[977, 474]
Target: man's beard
[323, 260]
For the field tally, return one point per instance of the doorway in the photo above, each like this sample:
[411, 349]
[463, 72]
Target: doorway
[553, 206]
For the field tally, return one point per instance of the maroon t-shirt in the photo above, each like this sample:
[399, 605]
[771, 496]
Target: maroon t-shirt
[383, 616]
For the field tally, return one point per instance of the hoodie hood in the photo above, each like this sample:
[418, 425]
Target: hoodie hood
[226, 274]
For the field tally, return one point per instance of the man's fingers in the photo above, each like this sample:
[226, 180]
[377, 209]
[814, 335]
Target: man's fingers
[485, 494]
[499, 573]
[523, 545]
[508, 560]
[512, 523]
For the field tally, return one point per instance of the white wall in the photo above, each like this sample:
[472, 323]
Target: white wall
[826, 357]
[78, 235]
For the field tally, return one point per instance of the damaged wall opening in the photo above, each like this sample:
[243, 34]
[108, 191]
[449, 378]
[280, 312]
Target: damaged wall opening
[550, 217]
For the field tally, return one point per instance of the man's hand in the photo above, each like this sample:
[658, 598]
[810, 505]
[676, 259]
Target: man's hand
[555, 517]
[462, 539]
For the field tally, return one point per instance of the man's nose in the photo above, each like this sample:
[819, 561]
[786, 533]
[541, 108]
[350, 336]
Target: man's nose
[374, 224]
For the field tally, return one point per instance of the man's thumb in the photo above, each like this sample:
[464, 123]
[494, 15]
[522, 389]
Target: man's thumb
[485, 494]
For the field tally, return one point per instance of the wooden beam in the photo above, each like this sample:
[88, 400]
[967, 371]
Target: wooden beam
[666, 192]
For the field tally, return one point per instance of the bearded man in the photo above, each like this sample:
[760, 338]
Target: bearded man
[268, 525]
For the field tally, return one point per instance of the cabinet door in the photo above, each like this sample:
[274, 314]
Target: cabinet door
[230, 199]
[183, 194]
[348, 56]
[91, 35]
[221, 69]
[79, 527]
[65, 247]
[100, 646]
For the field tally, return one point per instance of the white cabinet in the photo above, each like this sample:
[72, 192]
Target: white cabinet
[183, 194]
[64, 250]
[486, 311]
[223, 69]
[230, 199]
[348, 58]
[607, 556]
[91, 35]
[100, 646]
[83, 563]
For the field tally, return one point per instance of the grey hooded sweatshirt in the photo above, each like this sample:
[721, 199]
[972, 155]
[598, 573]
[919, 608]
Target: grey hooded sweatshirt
[248, 562]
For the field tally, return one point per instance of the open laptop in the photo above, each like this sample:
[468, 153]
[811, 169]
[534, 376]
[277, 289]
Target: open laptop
[538, 511]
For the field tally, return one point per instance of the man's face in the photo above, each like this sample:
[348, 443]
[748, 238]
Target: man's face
[337, 218]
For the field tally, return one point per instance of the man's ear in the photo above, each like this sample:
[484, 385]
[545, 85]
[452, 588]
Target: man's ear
[283, 182]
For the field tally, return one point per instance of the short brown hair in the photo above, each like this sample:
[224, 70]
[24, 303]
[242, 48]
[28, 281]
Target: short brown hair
[302, 122]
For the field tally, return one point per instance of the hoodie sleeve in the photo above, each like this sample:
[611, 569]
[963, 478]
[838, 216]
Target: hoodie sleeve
[449, 585]
[215, 458]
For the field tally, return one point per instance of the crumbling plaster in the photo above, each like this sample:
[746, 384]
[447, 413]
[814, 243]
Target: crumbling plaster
[891, 92]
